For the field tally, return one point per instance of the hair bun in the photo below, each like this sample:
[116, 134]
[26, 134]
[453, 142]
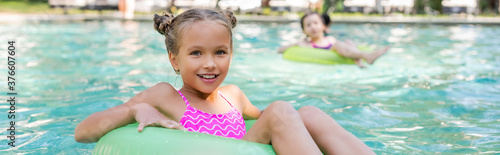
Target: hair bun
[162, 23]
[326, 18]
[230, 16]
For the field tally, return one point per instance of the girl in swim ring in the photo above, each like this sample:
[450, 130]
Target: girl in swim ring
[199, 44]
[315, 25]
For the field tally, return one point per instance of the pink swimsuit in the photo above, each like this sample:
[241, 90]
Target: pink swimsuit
[230, 124]
[325, 47]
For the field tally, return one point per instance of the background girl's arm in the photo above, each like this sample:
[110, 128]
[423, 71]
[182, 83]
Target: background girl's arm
[302, 43]
[98, 124]
[283, 48]
[331, 39]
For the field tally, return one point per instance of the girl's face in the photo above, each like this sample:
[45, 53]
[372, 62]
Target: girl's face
[204, 56]
[313, 26]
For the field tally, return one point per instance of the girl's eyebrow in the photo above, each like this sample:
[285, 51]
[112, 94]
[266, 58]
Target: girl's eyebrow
[201, 47]
[194, 47]
[222, 46]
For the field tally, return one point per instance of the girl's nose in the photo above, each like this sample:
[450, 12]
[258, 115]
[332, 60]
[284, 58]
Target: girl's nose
[209, 63]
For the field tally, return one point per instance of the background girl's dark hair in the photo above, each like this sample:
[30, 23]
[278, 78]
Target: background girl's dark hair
[325, 18]
[172, 27]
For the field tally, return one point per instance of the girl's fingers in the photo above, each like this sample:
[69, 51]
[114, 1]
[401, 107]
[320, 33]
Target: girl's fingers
[176, 125]
[171, 124]
[180, 127]
[168, 124]
[164, 123]
[141, 126]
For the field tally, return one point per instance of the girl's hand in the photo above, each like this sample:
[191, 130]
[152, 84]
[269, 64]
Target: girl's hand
[147, 115]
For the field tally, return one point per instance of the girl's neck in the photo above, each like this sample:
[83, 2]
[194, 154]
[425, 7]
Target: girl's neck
[210, 97]
[317, 39]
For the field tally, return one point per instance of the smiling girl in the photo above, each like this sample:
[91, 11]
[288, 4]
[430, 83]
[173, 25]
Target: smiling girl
[200, 48]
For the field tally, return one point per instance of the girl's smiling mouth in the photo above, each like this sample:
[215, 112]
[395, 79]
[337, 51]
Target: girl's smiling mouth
[208, 76]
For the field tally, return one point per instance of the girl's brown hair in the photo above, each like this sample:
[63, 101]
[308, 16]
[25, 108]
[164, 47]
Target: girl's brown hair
[173, 27]
[325, 18]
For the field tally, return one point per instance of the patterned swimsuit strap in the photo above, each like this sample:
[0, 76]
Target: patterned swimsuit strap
[184, 98]
[315, 46]
[225, 98]
[187, 102]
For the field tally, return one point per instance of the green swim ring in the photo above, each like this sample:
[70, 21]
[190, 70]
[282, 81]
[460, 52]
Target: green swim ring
[157, 140]
[321, 56]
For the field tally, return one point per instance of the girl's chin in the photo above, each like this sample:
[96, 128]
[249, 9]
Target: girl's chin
[207, 89]
[208, 92]
[317, 34]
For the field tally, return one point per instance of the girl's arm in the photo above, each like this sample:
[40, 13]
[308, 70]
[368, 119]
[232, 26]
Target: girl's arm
[283, 48]
[250, 111]
[302, 43]
[331, 39]
[98, 124]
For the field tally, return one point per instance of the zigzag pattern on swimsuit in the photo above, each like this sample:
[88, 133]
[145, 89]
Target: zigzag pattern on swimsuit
[230, 124]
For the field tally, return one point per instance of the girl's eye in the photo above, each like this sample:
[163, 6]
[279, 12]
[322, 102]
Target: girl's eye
[195, 53]
[220, 52]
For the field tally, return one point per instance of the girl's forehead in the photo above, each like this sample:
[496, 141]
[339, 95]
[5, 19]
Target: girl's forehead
[202, 24]
[204, 33]
[312, 17]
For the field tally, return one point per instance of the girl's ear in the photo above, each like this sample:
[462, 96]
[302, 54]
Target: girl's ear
[173, 61]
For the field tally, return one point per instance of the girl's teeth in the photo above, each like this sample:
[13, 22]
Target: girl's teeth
[208, 76]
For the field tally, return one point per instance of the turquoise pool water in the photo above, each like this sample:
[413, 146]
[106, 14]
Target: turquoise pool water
[436, 90]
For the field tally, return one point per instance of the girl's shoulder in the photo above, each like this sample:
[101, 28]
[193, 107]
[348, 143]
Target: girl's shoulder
[304, 43]
[167, 99]
[331, 39]
[163, 87]
[232, 93]
[159, 94]
[230, 90]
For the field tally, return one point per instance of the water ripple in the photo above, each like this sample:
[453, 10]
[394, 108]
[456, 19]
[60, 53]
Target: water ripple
[435, 91]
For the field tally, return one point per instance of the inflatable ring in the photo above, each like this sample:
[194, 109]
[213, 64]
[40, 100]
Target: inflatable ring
[315, 55]
[157, 140]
